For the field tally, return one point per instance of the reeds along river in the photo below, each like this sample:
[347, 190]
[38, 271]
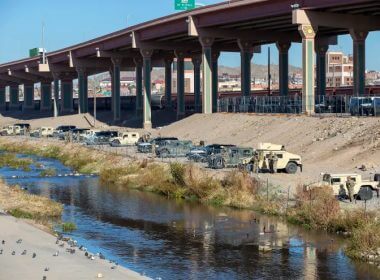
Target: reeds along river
[182, 240]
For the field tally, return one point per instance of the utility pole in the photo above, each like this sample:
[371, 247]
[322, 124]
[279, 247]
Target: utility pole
[42, 43]
[269, 76]
[94, 104]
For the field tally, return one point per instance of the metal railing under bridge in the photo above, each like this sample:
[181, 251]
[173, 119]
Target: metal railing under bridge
[340, 105]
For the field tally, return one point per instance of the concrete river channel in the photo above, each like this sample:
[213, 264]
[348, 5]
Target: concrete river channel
[168, 239]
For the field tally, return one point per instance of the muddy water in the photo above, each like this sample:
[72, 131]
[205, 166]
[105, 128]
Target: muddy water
[168, 239]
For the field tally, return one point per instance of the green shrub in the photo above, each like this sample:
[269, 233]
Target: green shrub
[48, 172]
[18, 213]
[68, 227]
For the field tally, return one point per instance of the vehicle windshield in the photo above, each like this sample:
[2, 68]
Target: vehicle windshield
[326, 178]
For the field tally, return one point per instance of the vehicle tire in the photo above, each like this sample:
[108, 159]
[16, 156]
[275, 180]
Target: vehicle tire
[291, 168]
[377, 177]
[164, 153]
[219, 163]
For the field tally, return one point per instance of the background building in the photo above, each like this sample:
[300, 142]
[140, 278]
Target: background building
[339, 70]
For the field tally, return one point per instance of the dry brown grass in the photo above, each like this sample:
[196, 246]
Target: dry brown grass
[316, 208]
[13, 199]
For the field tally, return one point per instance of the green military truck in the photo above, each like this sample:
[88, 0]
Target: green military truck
[230, 157]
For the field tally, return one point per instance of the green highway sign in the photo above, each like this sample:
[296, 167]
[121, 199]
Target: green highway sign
[184, 4]
[34, 52]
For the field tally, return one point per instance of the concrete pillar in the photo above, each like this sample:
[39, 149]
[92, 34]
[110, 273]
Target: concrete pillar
[82, 91]
[206, 74]
[283, 55]
[308, 34]
[321, 51]
[359, 38]
[246, 54]
[139, 86]
[67, 96]
[116, 88]
[56, 97]
[197, 61]
[14, 97]
[168, 83]
[45, 104]
[2, 98]
[180, 83]
[28, 97]
[215, 82]
[112, 89]
[147, 69]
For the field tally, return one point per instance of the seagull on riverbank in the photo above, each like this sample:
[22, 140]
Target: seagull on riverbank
[13, 253]
[56, 254]
[3, 242]
[47, 269]
[1, 251]
[34, 255]
[23, 253]
[19, 241]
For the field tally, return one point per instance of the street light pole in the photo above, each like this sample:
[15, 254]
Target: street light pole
[94, 105]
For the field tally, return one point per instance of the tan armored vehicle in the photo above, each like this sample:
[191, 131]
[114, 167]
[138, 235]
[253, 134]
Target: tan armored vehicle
[125, 139]
[43, 131]
[286, 161]
[11, 130]
[338, 183]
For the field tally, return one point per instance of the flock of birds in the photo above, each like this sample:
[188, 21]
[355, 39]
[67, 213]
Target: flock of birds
[72, 247]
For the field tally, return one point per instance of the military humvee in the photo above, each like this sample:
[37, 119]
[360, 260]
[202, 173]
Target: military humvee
[11, 130]
[338, 183]
[287, 162]
[174, 148]
[230, 157]
[43, 131]
[125, 139]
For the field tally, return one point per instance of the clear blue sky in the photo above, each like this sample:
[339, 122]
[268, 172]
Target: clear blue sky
[68, 22]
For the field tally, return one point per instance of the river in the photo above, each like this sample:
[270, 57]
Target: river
[168, 239]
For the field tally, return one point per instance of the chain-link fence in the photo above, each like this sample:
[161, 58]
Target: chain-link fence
[339, 105]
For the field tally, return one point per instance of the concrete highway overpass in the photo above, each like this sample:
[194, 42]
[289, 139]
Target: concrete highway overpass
[201, 34]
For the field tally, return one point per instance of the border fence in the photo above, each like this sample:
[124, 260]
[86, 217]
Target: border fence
[340, 105]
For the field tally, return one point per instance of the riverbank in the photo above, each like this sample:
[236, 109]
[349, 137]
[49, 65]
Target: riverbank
[43, 245]
[315, 210]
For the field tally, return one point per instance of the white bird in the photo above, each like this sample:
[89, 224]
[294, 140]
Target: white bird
[56, 254]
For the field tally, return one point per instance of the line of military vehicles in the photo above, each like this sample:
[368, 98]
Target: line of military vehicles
[215, 156]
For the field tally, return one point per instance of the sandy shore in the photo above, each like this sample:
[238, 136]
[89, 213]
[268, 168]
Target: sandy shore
[64, 266]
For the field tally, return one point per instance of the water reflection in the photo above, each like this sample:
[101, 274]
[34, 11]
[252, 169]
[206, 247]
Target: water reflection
[183, 240]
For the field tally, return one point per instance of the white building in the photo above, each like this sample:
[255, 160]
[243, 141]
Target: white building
[339, 69]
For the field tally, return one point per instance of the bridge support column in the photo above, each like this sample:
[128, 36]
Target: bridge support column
[246, 57]
[308, 34]
[112, 85]
[215, 82]
[206, 74]
[180, 83]
[197, 61]
[321, 51]
[28, 97]
[14, 97]
[45, 104]
[116, 88]
[147, 69]
[139, 86]
[168, 83]
[82, 91]
[67, 96]
[56, 97]
[2, 98]
[283, 53]
[359, 38]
